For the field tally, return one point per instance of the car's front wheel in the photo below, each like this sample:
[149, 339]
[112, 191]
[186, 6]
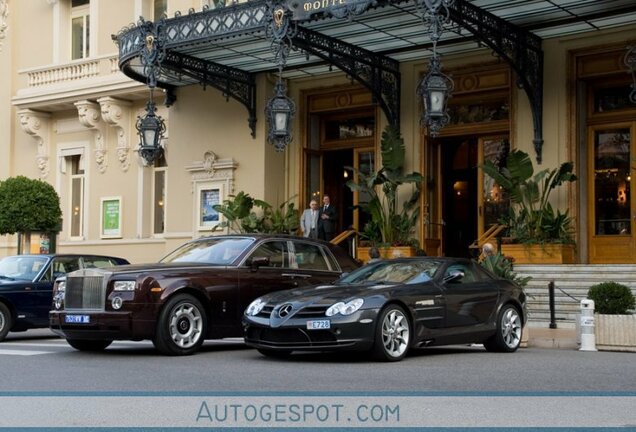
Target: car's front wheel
[6, 322]
[181, 327]
[508, 335]
[392, 334]
[89, 345]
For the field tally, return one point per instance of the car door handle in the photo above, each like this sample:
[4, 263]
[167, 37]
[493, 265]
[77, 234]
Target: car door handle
[28, 288]
[296, 275]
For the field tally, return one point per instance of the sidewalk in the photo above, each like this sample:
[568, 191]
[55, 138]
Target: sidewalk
[551, 338]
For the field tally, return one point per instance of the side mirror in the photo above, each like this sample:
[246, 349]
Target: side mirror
[257, 262]
[454, 276]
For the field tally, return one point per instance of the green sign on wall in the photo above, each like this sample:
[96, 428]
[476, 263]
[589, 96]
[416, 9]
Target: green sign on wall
[111, 217]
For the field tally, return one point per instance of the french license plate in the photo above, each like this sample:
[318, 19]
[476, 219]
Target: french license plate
[77, 319]
[318, 324]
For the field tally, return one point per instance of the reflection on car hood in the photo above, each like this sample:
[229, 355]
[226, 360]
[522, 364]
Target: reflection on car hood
[329, 293]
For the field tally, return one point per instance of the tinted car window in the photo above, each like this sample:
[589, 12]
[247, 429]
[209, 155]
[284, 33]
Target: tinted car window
[277, 253]
[391, 271]
[221, 251]
[21, 267]
[310, 257]
[59, 267]
[98, 262]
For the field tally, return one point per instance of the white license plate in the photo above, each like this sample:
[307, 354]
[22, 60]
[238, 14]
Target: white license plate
[318, 324]
[77, 319]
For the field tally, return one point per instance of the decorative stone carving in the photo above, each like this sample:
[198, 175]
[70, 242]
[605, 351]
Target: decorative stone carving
[37, 124]
[209, 159]
[4, 20]
[211, 168]
[90, 117]
[116, 113]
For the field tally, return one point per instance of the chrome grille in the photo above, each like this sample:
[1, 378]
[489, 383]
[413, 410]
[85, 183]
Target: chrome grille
[85, 292]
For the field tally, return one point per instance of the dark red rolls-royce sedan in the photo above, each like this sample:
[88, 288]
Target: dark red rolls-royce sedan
[197, 292]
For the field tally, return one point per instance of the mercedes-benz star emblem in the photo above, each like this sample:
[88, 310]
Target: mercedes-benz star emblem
[285, 310]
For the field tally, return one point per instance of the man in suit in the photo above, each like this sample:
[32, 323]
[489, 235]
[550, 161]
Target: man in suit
[327, 220]
[309, 220]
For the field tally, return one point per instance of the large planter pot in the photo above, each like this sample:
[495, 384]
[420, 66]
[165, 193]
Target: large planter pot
[386, 252]
[540, 254]
[432, 247]
[615, 332]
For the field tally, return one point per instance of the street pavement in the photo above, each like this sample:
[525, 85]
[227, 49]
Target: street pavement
[47, 385]
[36, 361]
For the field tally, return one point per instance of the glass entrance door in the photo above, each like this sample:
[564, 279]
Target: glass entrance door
[471, 201]
[611, 211]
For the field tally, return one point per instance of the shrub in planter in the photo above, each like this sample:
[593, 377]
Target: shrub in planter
[611, 298]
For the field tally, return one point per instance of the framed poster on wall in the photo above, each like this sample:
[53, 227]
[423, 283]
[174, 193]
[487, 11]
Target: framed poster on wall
[207, 197]
[110, 217]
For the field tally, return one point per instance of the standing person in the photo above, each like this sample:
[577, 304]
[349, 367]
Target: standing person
[309, 220]
[327, 219]
[374, 255]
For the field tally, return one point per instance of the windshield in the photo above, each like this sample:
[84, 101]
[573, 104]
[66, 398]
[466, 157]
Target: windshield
[21, 267]
[221, 251]
[403, 272]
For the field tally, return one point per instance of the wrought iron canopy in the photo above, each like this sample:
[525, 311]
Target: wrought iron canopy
[225, 47]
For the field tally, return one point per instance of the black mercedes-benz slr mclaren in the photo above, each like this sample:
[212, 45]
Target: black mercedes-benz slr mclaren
[390, 306]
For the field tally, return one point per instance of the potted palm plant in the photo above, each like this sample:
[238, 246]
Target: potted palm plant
[392, 223]
[241, 217]
[537, 233]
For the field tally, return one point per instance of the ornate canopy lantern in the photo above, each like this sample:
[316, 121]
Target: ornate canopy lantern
[435, 90]
[435, 87]
[150, 128]
[280, 111]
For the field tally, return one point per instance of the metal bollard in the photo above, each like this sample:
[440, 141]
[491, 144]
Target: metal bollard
[588, 338]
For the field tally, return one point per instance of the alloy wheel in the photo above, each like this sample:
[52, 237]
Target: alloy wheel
[511, 328]
[186, 325]
[395, 333]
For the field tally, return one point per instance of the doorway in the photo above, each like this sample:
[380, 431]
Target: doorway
[328, 173]
[459, 194]
[335, 177]
[471, 201]
[612, 237]
[339, 144]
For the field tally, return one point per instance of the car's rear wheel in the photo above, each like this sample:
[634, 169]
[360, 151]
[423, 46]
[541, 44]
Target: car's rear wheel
[181, 327]
[89, 345]
[392, 334]
[6, 321]
[274, 353]
[508, 335]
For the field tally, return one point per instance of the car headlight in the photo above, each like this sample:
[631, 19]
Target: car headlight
[124, 285]
[345, 308]
[61, 286]
[58, 300]
[255, 307]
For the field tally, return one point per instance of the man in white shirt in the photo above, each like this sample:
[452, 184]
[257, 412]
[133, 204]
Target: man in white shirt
[309, 220]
